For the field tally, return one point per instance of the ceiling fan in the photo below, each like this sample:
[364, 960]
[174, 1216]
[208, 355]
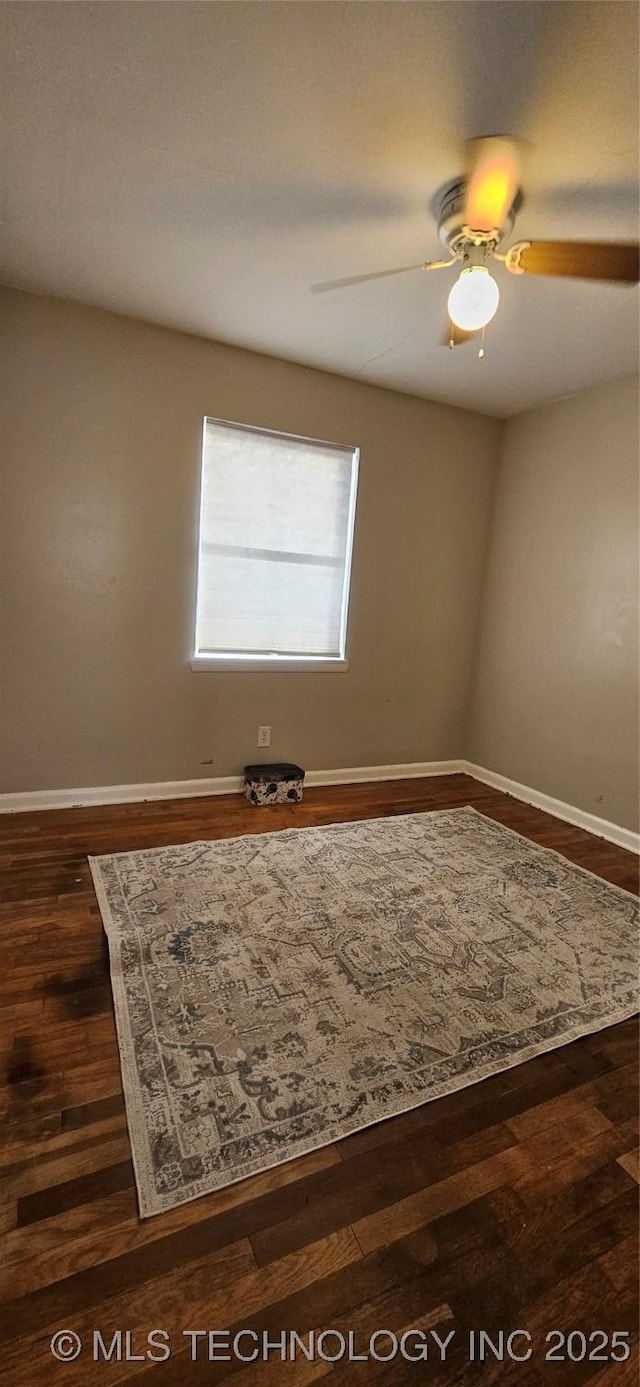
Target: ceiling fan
[476, 214]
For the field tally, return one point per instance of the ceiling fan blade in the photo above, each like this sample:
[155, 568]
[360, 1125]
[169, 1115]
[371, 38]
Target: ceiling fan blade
[455, 336]
[329, 284]
[616, 263]
[492, 182]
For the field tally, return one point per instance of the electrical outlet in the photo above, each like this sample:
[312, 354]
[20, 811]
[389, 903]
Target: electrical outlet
[264, 736]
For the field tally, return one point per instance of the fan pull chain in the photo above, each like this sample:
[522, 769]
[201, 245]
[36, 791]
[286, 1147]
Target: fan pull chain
[481, 348]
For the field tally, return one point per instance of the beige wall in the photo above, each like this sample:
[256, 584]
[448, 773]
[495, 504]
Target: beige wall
[556, 704]
[101, 422]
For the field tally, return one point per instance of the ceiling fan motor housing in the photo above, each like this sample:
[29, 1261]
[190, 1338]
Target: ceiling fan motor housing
[453, 230]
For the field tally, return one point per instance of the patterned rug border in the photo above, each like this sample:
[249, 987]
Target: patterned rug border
[373, 818]
[134, 1110]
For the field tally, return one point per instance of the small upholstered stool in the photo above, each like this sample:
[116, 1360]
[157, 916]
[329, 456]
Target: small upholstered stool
[279, 782]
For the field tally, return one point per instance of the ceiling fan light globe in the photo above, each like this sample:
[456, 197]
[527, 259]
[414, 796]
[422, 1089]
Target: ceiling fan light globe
[474, 299]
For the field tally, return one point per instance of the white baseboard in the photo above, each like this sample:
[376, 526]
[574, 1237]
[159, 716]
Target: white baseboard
[29, 800]
[602, 828]
[410, 770]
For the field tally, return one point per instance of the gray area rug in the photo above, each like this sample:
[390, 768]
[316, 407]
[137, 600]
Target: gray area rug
[277, 991]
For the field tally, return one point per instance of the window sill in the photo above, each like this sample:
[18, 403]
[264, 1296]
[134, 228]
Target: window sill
[211, 664]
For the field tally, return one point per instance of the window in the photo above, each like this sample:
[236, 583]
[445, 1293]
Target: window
[276, 529]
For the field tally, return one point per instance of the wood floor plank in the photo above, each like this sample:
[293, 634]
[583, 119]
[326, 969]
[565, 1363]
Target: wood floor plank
[214, 1289]
[630, 1161]
[335, 1298]
[621, 1263]
[51, 1175]
[102, 1228]
[87, 1114]
[367, 1183]
[159, 1262]
[625, 1374]
[570, 1166]
[78, 1190]
[8, 1218]
[21, 1151]
[396, 1220]
[539, 1118]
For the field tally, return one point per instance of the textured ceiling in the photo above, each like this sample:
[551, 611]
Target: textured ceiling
[201, 165]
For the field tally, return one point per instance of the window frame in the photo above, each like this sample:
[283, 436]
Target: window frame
[281, 664]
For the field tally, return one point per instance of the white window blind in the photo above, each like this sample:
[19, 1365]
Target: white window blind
[276, 525]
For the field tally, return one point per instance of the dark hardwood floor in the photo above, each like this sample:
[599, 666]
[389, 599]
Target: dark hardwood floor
[509, 1205]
